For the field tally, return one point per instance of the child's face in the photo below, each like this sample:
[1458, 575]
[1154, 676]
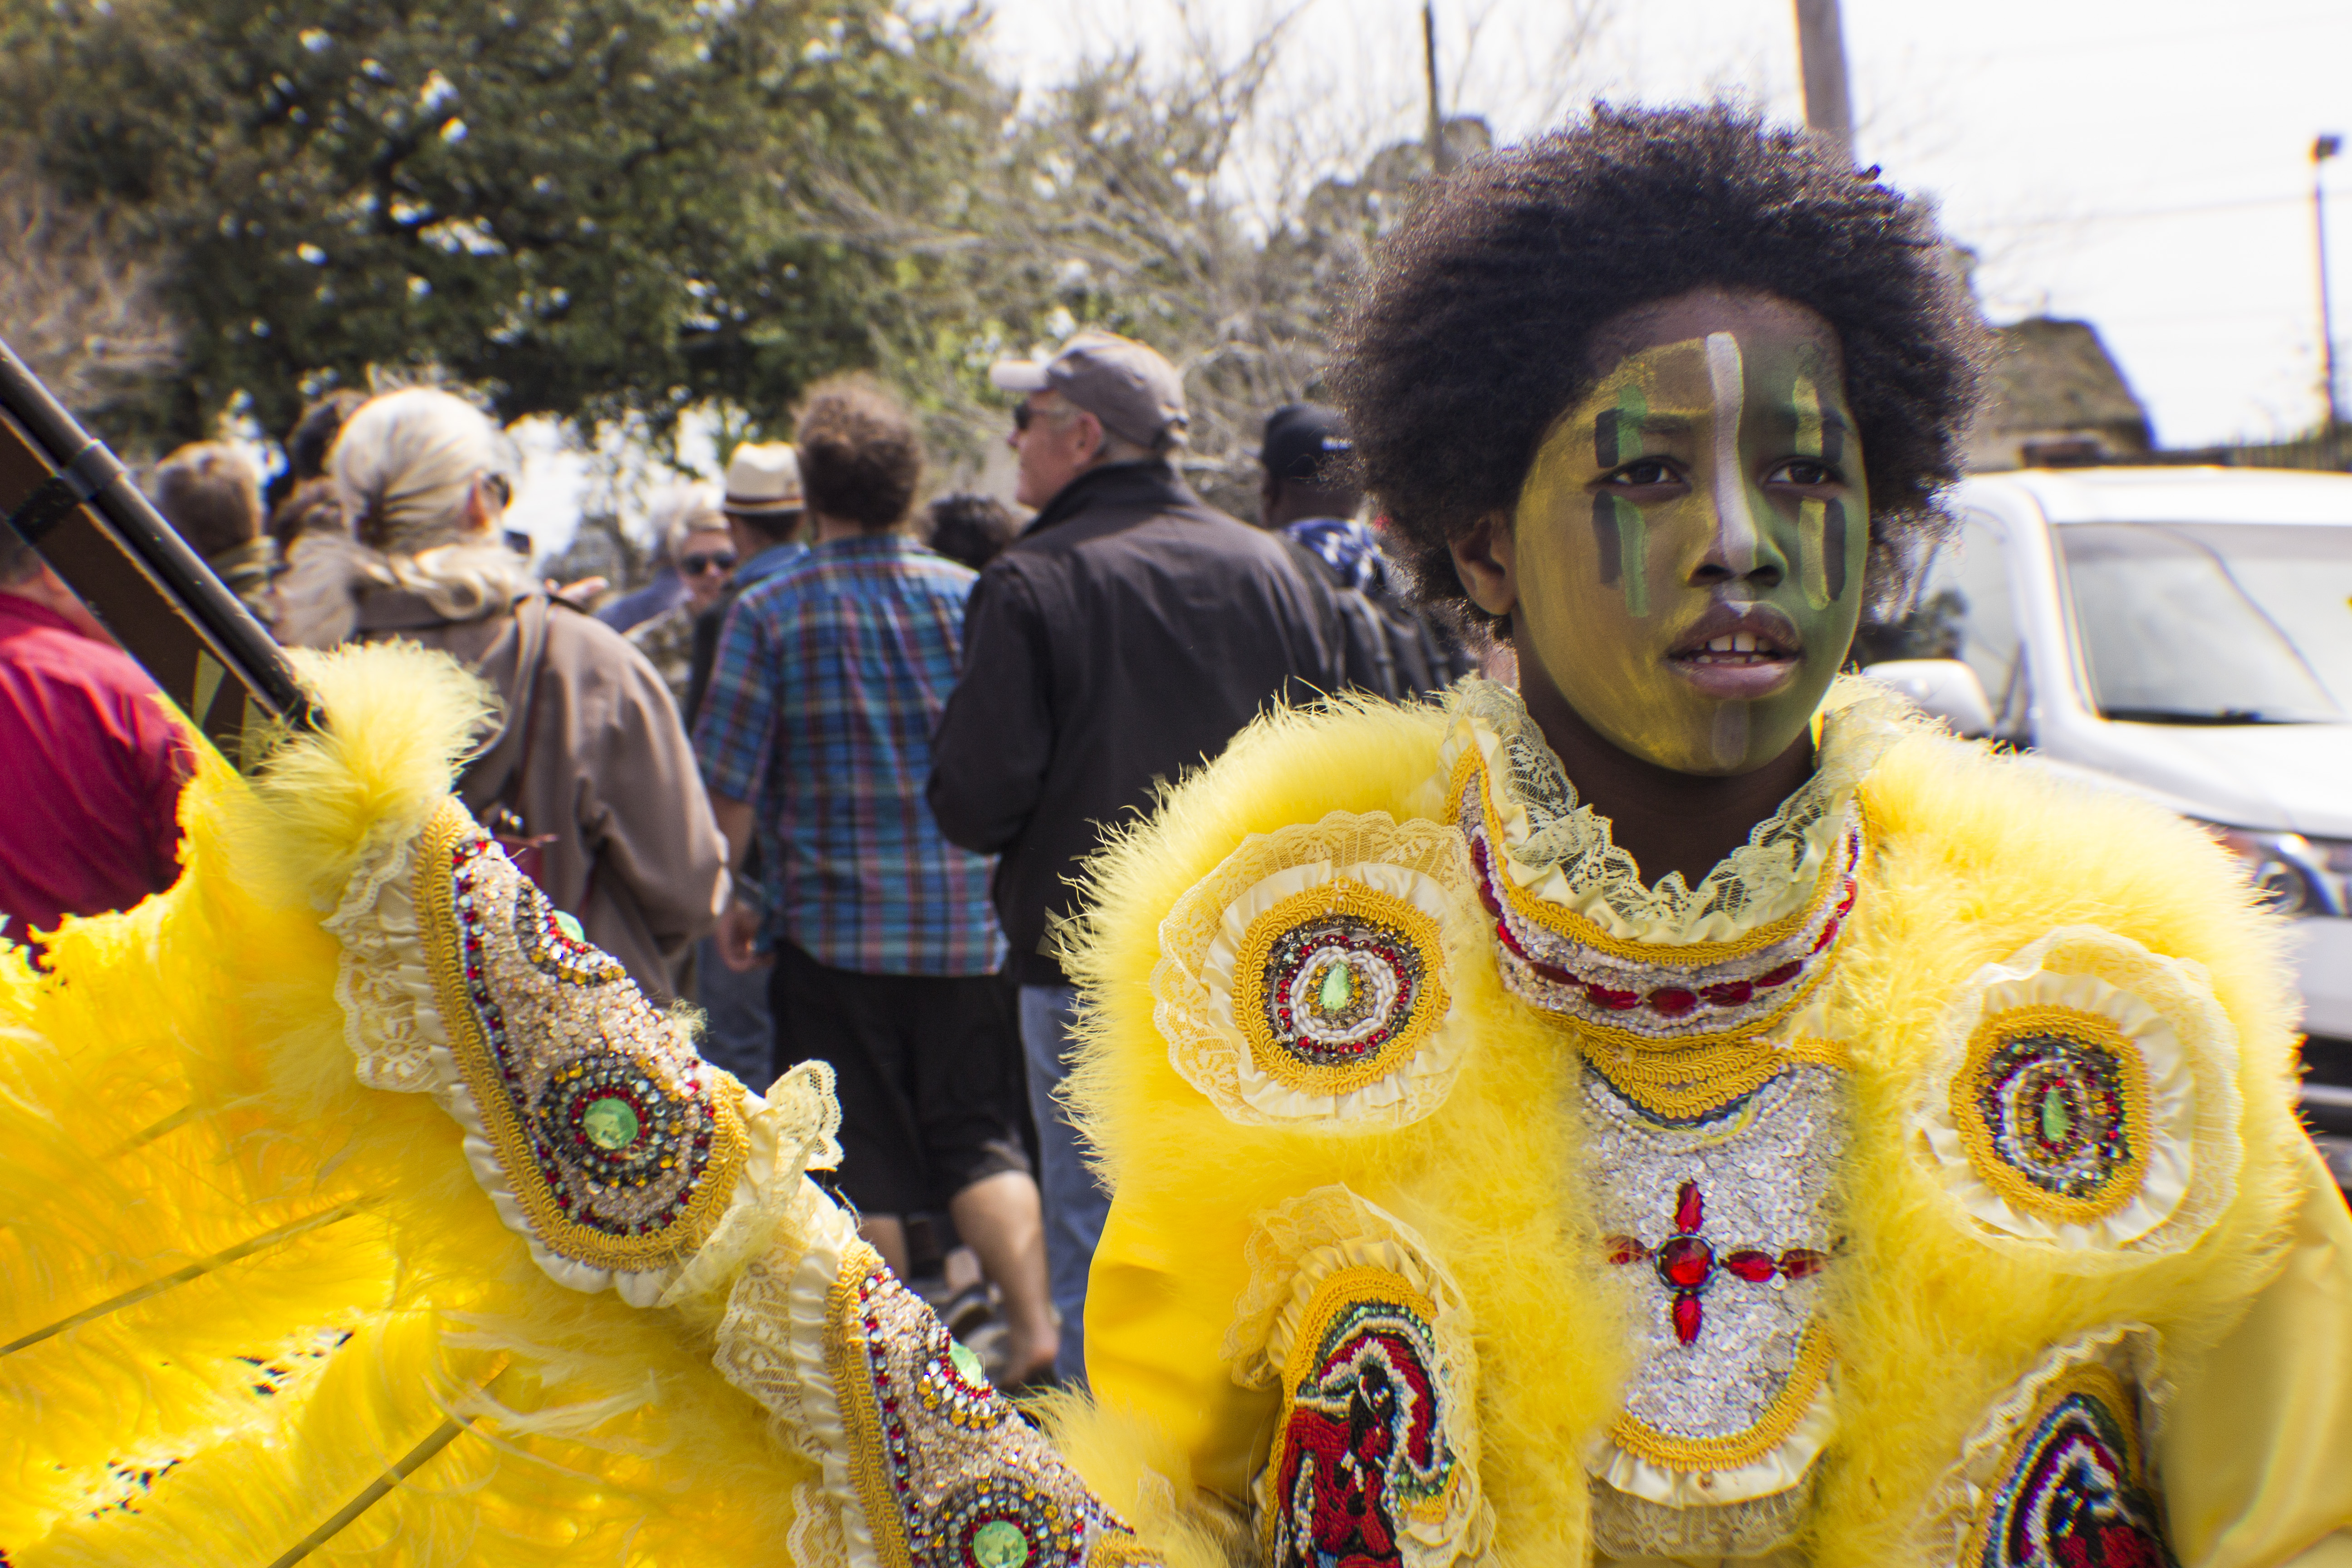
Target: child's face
[1687, 551]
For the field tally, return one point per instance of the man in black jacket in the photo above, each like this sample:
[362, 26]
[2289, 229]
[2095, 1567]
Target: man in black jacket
[1125, 637]
[1395, 648]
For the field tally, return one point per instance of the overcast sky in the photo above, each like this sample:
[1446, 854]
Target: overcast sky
[2144, 164]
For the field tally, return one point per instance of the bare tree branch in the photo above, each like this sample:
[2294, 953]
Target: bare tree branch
[76, 303]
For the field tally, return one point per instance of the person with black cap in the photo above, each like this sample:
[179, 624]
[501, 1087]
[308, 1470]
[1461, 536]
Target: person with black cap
[1310, 495]
[1128, 632]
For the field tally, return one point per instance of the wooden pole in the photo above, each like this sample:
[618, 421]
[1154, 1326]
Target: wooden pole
[2322, 149]
[1437, 112]
[1820, 53]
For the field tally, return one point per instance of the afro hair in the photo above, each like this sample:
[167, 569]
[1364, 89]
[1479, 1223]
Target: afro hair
[1486, 313]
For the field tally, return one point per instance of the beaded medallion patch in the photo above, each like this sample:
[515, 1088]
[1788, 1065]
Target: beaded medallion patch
[947, 1474]
[1641, 996]
[1337, 983]
[620, 1146]
[2074, 1492]
[2052, 1107]
[1363, 1463]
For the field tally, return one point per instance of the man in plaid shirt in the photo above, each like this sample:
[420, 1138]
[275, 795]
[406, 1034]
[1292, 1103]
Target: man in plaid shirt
[817, 735]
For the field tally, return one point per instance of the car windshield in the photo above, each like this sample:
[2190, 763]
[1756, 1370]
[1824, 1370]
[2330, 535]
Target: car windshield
[2185, 623]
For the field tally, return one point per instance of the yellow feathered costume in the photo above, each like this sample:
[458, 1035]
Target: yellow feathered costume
[351, 1211]
[1924, 1187]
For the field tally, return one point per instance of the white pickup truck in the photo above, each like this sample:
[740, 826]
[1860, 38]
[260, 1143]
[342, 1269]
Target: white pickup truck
[2185, 634]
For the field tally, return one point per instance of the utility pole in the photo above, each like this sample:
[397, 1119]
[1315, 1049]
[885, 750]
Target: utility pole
[1436, 113]
[1820, 54]
[2322, 149]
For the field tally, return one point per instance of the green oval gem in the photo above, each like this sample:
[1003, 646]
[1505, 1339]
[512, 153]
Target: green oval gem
[998, 1543]
[2056, 1121]
[967, 1365]
[571, 927]
[1339, 987]
[610, 1122]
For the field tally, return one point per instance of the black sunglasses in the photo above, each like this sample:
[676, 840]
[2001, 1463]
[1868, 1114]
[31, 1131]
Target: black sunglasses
[696, 566]
[1024, 416]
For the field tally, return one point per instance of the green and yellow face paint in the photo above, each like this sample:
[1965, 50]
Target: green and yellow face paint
[1688, 545]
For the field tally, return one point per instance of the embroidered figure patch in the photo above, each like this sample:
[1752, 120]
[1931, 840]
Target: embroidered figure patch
[947, 1475]
[1362, 1459]
[1336, 983]
[2074, 1493]
[622, 1149]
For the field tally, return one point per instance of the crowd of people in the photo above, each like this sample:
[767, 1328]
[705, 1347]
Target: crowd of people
[831, 776]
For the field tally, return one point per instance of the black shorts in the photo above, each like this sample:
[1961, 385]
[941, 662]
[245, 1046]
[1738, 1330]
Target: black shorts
[926, 1067]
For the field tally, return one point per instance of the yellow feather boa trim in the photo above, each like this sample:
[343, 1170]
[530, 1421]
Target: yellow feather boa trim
[199, 1197]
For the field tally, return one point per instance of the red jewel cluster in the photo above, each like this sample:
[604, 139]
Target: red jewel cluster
[1686, 1262]
[1667, 1001]
[558, 1142]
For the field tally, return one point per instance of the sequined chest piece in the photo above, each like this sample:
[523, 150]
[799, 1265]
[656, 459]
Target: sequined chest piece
[1719, 1230]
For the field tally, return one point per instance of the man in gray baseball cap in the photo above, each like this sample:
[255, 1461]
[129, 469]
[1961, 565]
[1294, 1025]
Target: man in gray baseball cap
[1102, 399]
[1128, 632]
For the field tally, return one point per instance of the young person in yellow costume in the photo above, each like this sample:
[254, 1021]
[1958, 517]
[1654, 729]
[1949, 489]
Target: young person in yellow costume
[1681, 1110]
[1687, 1108]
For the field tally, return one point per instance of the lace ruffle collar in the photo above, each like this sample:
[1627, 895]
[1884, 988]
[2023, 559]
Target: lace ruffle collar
[1561, 850]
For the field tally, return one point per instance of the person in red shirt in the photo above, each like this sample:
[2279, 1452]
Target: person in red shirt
[91, 761]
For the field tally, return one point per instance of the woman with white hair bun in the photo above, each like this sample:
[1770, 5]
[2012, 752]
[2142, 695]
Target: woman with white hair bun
[590, 776]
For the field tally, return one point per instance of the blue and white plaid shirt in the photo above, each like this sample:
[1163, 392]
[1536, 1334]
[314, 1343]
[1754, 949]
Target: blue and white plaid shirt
[830, 679]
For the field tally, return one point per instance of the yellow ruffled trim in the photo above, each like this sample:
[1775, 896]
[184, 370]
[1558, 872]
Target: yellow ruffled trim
[2179, 1058]
[1204, 986]
[1755, 896]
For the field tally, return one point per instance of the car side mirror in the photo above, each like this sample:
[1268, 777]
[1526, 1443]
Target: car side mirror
[1945, 689]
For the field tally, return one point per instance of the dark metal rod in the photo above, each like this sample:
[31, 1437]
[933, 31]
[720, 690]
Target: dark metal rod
[87, 477]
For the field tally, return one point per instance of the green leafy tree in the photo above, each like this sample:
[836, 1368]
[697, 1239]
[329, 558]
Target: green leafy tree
[585, 208]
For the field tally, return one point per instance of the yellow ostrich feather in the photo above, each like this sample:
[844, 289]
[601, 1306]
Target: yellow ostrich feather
[240, 1294]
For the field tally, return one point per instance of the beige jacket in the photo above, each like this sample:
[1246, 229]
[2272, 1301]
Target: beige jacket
[637, 856]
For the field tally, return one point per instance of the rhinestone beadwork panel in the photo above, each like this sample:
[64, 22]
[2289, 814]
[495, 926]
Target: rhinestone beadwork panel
[947, 1472]
[2051, 1105]
[1720, 1227]
[620, 1145]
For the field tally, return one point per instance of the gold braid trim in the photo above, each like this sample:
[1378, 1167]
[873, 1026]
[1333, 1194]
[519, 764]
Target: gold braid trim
[1771, 1429]
[1251, 1004]
[437, 918]
[2094, 1030]
[1681, 1084]
[861, 1413]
